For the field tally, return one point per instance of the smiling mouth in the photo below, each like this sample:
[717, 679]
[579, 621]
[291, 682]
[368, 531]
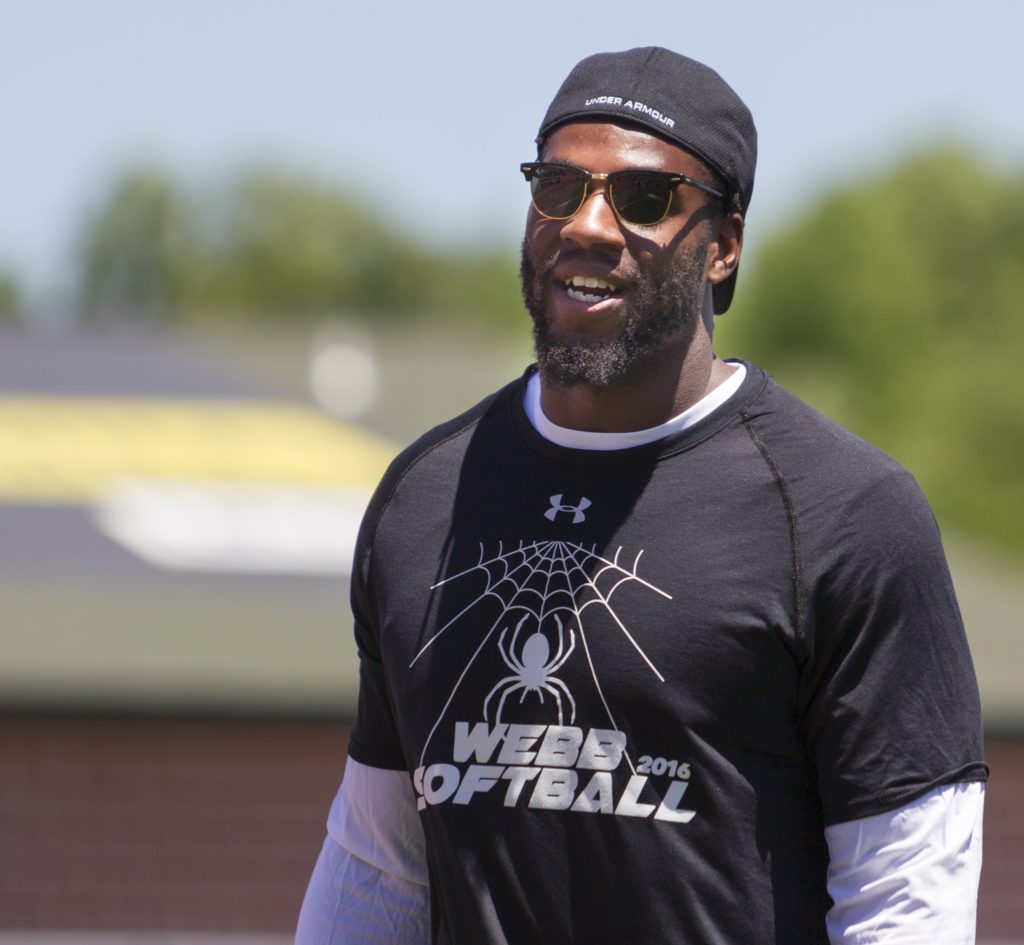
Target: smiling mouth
[590, 289]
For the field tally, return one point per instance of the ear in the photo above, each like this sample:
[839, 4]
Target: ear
[725, 248]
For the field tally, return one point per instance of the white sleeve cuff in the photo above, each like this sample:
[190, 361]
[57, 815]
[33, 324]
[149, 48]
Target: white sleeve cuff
[908, 876]
[349, 902]
[374, 817]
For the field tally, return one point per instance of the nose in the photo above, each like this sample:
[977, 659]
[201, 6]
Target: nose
[595, 222]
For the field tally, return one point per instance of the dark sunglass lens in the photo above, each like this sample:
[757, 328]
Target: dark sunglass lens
[641, 198]
[557, 192]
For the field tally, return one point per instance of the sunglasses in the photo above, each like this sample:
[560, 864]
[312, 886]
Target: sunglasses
[639, 197]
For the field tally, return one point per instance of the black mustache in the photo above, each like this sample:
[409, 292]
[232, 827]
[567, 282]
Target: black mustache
[610, 262]
[583, 259]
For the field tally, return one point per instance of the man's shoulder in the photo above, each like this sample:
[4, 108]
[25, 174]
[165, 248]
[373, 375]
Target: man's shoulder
[451, 436]
[439, 452]
[795, 432]
[834, 481]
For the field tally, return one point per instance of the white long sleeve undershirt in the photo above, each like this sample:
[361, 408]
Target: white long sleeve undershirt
[369, 884]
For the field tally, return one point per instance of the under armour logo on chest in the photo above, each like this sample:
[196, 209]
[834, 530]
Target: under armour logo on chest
[577, 510]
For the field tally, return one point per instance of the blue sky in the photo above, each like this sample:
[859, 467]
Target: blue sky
[401, 100]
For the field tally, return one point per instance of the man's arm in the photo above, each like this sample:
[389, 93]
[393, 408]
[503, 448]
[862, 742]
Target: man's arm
[908, 876]
[370, 883]
[889, 708]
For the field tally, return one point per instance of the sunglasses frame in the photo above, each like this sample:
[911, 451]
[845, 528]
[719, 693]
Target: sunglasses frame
[672, 180]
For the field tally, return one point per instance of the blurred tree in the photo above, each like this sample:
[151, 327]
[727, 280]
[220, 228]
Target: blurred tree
[135, 253]
[893, 304]
[280, 247]
[287, 246]
[10, 297]
[481, 286]
[294, 248]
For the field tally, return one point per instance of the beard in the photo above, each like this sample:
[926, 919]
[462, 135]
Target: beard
[663, 310]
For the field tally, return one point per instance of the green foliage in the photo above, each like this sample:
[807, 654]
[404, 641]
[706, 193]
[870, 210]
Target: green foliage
[893, 304]
[9, 297]
[135, 252]
[276, 247]
[288, 246]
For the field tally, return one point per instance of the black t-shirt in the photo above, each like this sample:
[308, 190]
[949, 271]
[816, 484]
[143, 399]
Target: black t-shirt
[632, 688]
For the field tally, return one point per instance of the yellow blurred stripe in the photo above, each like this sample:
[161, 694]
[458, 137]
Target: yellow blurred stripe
[68, 449]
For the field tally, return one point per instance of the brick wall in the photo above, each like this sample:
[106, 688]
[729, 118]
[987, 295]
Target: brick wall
[133, 823]
[1001, 905]
[213, 824]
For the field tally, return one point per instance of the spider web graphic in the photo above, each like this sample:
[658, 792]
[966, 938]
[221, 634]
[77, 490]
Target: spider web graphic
[540, 579]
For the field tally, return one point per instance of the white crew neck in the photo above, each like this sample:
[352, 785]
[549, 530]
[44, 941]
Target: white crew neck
[590, 440]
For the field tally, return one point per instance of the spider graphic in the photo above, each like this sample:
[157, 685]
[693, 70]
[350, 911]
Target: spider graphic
[534, 669]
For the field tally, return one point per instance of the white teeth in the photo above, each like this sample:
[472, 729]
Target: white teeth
[589, 282]
[576, 285]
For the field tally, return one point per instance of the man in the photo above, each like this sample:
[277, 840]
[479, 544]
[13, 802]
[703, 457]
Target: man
[650, 651]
